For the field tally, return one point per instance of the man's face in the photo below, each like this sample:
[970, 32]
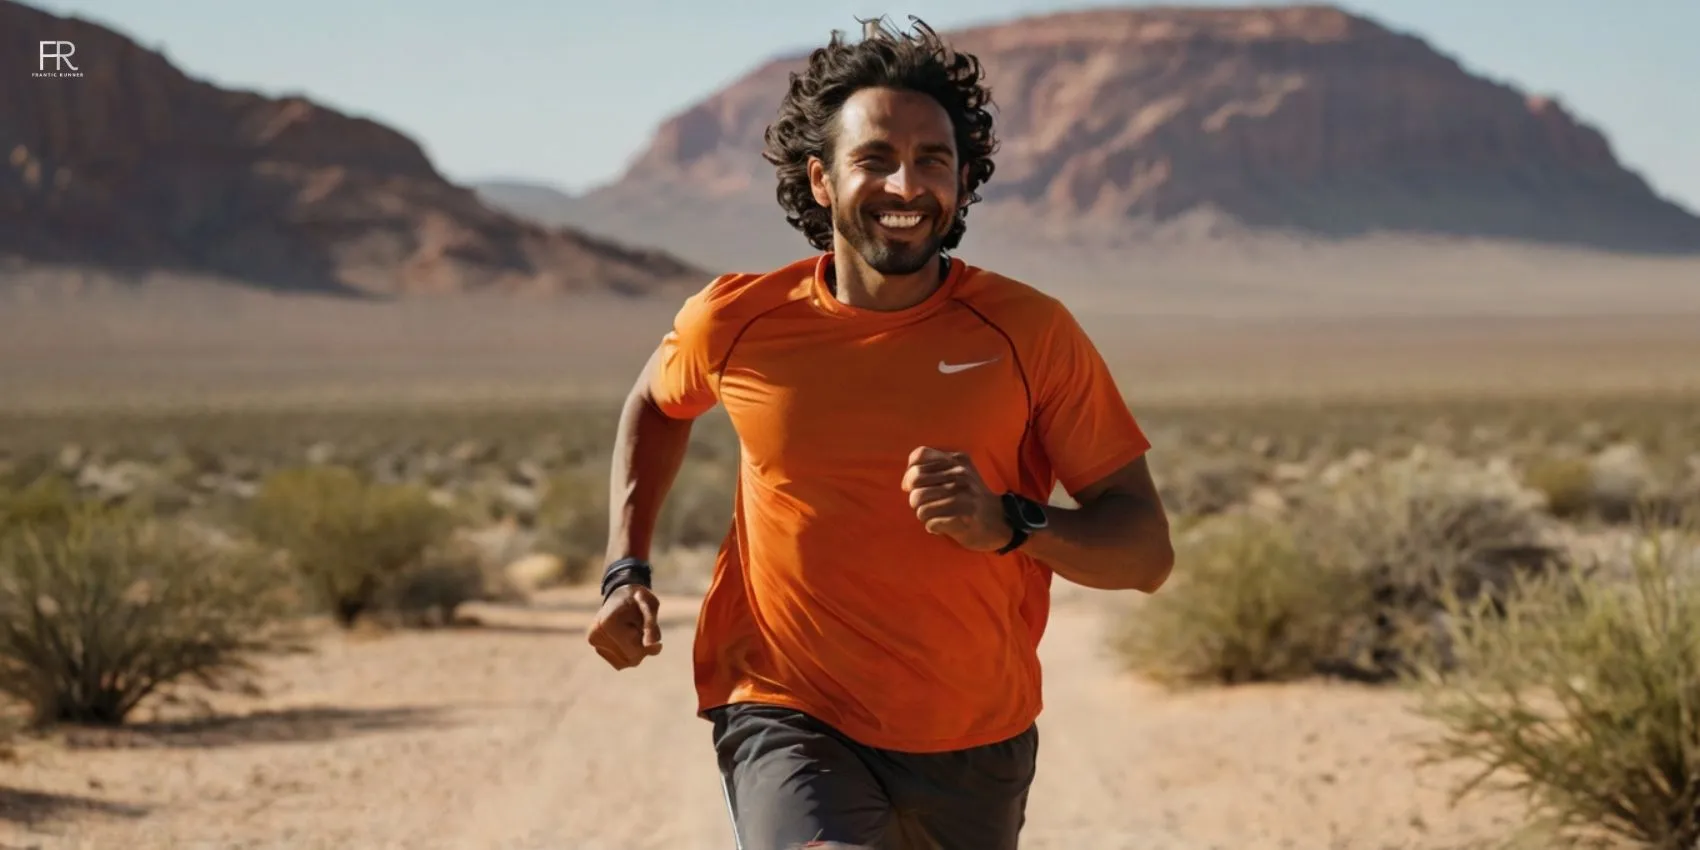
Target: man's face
[894, 181]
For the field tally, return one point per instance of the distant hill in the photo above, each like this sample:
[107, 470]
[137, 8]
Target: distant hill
[1160, 124]
[136, 168]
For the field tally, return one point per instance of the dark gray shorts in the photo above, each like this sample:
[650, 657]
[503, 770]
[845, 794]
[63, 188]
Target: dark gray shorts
[791, 779]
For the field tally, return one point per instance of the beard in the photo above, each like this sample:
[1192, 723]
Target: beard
[887, 255]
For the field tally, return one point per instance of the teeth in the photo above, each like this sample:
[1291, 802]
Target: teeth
[900, 221]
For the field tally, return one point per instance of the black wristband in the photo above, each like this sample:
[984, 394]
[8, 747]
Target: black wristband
[623, 572]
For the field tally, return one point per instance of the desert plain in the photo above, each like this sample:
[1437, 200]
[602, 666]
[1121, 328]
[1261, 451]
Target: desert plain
[501, 729]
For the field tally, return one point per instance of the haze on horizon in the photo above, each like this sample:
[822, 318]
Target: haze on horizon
[549, 93]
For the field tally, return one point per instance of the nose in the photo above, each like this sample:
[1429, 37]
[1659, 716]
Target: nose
[902, 183]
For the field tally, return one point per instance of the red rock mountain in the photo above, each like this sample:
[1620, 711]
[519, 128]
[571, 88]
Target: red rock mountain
[135, 166]
[1301, 119]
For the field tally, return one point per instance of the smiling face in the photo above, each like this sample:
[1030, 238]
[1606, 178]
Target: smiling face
[894, 184]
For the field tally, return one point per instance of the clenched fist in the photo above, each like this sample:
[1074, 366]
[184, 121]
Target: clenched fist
[950, 498]
[626, 630]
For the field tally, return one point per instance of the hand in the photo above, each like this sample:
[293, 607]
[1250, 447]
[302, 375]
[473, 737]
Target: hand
[951, 499]
[626, 630]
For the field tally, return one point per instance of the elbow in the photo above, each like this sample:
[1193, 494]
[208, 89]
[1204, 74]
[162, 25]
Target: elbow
[1152, 564]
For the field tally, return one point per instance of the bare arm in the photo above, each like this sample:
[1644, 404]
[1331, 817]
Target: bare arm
[1118, 539]
[649, 448]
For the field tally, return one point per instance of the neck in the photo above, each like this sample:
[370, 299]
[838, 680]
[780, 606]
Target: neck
[855, 284]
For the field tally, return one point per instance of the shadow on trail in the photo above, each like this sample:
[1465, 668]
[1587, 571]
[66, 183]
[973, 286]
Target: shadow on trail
[32, 808]
[282, 726]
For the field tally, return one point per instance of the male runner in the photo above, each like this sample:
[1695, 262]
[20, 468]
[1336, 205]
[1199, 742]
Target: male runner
[867, 651]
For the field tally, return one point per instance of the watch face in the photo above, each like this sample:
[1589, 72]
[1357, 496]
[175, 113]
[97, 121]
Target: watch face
[1032, 513]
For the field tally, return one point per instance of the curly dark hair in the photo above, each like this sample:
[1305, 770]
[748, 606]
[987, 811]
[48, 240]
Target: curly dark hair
[884, 59]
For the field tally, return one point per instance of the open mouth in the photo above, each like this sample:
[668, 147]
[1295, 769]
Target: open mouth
[900, 222]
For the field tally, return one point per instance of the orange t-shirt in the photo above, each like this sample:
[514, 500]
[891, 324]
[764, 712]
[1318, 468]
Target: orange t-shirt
[829, 596]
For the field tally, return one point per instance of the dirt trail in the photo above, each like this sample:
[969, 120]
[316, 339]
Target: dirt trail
[515, 736]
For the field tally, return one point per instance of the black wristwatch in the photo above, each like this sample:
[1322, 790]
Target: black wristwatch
[623, 572]
[1024, 516]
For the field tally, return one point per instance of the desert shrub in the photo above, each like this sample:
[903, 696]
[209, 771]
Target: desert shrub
[1248, 606]
[1566, 482]
[345, 534]
[100, 609]
[1209, 486]
[573, 519]
[431, 592]
[1583, 696]
[49, 501]
[1618, 484]
[1622, 482]
[698, 511]
[1415, 530]
[1350, 581]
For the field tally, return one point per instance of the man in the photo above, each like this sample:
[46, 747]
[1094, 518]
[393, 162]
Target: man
[867, 650]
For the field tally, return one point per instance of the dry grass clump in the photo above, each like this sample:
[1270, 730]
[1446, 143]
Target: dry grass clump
[47, 501]
[430, 593]
[1582, 694]
[1413, 531]
[101, 608]
[1249, 605]
[573, 519]
[1566, 481]
[348, 536]
[1210, 486]
[1616, 484]
[1349, 580]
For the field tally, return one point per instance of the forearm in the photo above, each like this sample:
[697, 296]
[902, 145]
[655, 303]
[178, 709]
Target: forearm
[1116, 542]
[649, 448]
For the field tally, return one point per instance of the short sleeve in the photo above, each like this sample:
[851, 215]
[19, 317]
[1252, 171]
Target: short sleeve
[1083, 422]
[683, 384]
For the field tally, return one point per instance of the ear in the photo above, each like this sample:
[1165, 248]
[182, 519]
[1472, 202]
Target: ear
[819, 182]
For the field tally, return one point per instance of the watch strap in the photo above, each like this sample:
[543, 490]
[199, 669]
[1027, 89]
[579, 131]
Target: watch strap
[1016, 538]
[1019, 529]
[626, 571]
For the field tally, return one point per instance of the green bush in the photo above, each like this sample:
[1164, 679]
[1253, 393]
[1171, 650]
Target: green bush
[573, 519]
[1247, 607]
[100, 609]
[345, 534]
[1350, 581]
[1583, 696]
[431, 592]
[48, 501]
[1566, 482]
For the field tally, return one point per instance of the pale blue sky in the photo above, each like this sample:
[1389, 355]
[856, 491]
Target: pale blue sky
[565, 91]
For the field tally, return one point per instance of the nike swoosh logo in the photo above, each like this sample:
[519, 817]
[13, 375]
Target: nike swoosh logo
[953, 368]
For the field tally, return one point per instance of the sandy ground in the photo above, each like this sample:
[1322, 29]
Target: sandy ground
[515, 735]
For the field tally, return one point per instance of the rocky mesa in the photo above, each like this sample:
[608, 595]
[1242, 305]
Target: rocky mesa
[1306, 120]
[134, 166]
